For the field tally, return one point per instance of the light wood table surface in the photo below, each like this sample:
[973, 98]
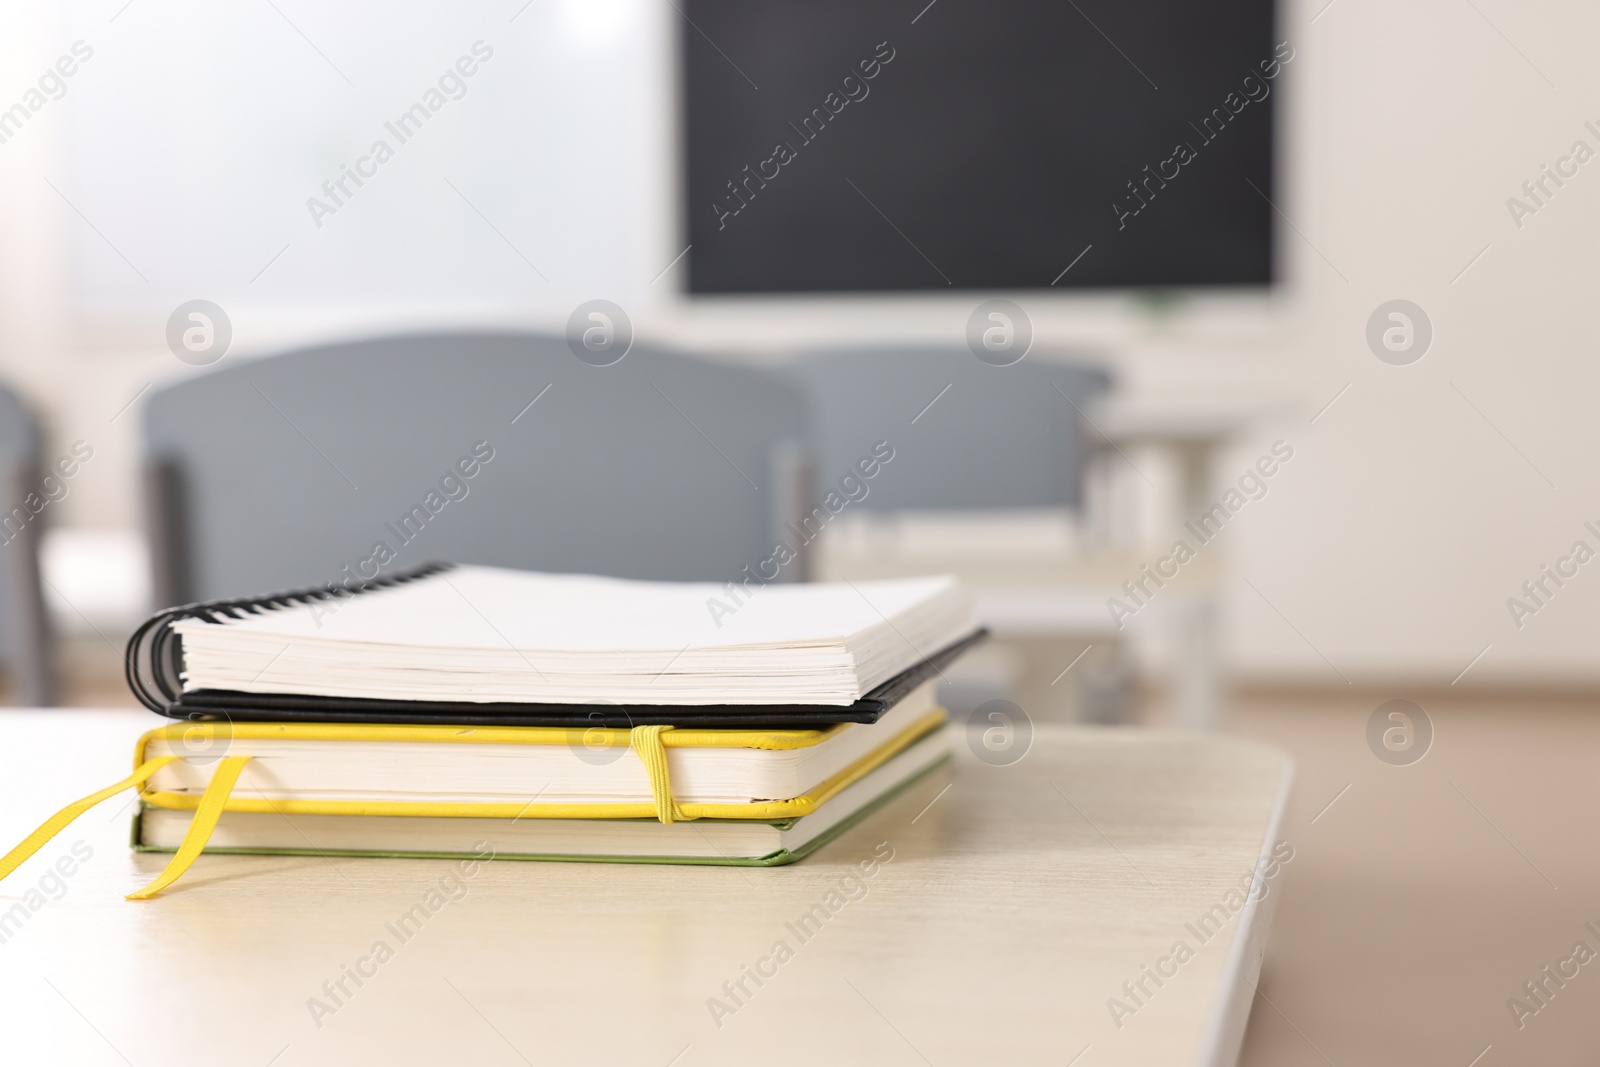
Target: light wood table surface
[1018, 900]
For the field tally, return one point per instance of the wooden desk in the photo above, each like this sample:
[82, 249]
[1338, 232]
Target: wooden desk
[1018, 900]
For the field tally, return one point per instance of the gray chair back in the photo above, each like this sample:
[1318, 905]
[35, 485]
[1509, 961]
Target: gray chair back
[303, 468]
[25, 645]
[965, 434]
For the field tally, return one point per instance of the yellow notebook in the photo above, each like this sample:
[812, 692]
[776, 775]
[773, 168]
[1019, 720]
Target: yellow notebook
[209, 770]
[724, 842]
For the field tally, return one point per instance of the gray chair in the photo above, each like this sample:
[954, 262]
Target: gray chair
[292, 470]
[25, 645]
[967, 436]
[993, 437]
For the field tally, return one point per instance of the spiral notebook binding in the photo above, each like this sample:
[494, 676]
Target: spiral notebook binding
[159, 688]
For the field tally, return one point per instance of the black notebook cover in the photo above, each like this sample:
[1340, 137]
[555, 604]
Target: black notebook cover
[154, 660]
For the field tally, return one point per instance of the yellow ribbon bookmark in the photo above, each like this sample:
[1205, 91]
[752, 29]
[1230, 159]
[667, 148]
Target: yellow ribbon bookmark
[63, 818]
[205, 821]
[646, 740]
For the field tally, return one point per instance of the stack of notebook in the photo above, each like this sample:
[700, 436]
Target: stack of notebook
[549, 716]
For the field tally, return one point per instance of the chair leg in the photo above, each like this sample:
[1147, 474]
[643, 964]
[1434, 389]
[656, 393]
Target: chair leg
[1106, 687]
[33, 662]
[792, 485]
[1198, 672]
[163, 517]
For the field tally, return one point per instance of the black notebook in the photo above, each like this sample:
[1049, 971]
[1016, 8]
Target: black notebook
[489, 646]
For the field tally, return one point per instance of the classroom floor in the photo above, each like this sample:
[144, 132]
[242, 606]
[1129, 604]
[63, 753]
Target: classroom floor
[1422, 897]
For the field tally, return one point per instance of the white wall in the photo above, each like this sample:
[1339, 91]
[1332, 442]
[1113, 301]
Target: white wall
[1389, 544]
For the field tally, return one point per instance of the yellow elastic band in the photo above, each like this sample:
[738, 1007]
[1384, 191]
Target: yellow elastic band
[644, 808]
[63, 818]
[646, 741]
[205, 821]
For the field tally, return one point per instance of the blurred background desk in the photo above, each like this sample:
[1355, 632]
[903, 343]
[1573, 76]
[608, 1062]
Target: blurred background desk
[1044, 576]
[1044, 589]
